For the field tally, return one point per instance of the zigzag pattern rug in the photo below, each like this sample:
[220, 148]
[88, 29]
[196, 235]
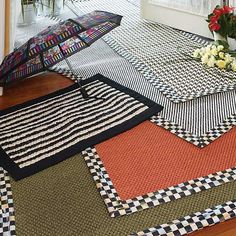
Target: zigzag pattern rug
[152, 50]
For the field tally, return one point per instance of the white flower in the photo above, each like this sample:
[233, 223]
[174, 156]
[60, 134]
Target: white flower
[233, 65]
[205, 59]
[196, 53]
[214, 51]
[202, 51]
[221, 64]
[211, 62]
[228, 58]
[213, 55]
[220, 48]
[213, 47]
[221, 55]
[208, 48]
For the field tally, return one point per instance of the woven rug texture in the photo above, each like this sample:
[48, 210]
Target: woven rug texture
[63, 200]
[148, 158]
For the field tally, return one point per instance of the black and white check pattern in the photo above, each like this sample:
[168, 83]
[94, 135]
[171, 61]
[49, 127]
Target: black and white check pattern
[193, 222]
[7, 216]
[199, 141]
[118, 207]
[152, 50]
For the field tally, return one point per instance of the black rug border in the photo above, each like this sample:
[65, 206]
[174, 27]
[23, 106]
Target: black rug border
[19, 173]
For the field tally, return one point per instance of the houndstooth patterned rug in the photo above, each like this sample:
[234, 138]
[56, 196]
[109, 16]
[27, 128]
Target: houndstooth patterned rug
[7, 216]
[152, 50]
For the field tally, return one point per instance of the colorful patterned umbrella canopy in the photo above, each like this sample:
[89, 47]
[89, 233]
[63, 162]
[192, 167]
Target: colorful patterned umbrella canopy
[55, 44]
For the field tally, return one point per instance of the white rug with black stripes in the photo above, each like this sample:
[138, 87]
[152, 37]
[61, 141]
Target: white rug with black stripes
[47, 130]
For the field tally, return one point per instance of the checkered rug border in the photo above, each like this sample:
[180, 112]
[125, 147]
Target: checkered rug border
[199, 141]
[193, 222]
[117, 207]
[7, 215]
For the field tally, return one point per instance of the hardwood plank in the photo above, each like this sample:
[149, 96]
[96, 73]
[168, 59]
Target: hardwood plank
[31, 88]
[7, 26]
[227, 228]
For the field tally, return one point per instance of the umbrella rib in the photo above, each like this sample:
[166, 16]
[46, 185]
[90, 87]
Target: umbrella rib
[42, 61]
[82, 89]
[75, 22]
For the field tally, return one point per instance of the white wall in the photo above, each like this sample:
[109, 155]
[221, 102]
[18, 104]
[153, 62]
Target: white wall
[2, 30]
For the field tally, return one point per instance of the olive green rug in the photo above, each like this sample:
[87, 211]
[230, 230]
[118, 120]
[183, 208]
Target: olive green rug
[63, 200]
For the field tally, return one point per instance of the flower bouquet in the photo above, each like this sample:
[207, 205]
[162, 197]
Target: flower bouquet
[216, 55]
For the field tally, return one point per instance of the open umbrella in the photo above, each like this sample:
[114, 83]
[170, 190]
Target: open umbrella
[57, 43]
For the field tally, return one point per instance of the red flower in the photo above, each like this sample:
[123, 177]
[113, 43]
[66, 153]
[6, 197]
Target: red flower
[214, 26]
[214, 19]
[227, 9]
[218, 12]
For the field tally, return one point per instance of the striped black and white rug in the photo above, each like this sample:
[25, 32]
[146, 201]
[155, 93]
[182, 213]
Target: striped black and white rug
[47, 130]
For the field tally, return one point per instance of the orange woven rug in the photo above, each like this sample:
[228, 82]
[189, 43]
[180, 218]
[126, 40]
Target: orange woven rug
[148, 158]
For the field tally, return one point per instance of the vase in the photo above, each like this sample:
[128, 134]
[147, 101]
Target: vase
[46, 7]
[29, 15]
[58, 7]
[217, 36]
[232, 43]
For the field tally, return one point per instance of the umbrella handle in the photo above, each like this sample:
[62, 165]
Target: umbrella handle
[82, 89]
[83, 92]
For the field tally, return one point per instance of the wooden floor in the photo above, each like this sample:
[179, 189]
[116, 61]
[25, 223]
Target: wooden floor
[49, 82]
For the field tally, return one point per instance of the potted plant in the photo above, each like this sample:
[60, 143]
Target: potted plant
[28, 12]
[220, 22]
[232, 33]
